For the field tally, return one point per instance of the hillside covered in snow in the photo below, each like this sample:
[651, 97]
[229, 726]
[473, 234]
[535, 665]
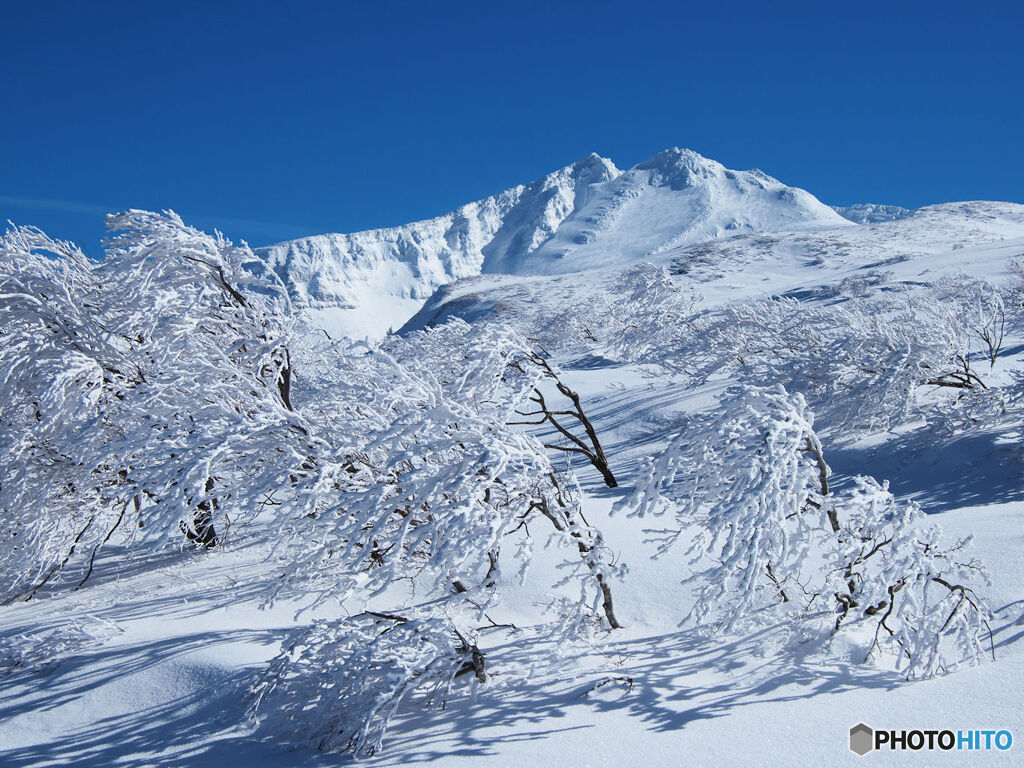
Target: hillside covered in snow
[672, 465]
[585, 216]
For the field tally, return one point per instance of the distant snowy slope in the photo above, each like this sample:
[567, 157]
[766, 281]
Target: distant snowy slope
[361, 284]
[828, 263]
[585, 216]
[872, 213]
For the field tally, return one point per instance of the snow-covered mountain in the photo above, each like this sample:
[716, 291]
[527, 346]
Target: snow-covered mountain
[831, 261]
[587, 215]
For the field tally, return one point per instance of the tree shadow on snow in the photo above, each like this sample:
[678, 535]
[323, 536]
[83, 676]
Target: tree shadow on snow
[940, 472]
[663, 683]
[171, 702]
[1009, 625]
[192, 717]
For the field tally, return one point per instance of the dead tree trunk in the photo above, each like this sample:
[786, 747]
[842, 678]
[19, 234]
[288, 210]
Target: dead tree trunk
[961, 377]
[284, 382]
[845, 601]
[591, 447]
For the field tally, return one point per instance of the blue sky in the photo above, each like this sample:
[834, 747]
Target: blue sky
[275, 120]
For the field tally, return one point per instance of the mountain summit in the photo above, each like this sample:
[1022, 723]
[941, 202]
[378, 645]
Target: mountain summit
[584, 216]
[676, 198]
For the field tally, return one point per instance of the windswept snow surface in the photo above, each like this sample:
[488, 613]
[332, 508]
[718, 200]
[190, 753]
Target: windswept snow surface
[586, 216]
[872, 213]
[149, 663]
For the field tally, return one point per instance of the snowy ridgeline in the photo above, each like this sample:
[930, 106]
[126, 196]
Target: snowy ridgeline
[552, 491]
[587, 215]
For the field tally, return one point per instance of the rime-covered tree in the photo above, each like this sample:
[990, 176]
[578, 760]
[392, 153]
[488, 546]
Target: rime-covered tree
[863, 365]
[336, 686]
[141, 392]
[429, 478]
[429, 494]
[748, 488]
[169, 387]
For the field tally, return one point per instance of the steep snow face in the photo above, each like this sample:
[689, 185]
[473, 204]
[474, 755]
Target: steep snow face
[588, 215]
[361, 284]
[674, 199]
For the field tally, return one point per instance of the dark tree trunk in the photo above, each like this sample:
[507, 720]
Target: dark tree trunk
[591, 446]
[202, 531]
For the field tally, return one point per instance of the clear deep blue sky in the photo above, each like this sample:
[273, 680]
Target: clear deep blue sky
[275, 120]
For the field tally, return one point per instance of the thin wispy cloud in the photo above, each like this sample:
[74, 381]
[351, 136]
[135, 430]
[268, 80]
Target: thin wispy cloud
[62, 206]
[248, 227]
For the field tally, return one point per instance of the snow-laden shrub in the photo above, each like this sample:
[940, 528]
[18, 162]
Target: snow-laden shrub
[749, 490]
[917, 591]
[743, 486]
[641, 312]
[650, 312]
[863, 364]
[163, 390]
[422, 488]
[138, 393]
[978, 307]
[859, 364]
[337, 685]
[34, 650]
[428, 481]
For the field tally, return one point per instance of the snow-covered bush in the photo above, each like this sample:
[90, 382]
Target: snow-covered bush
[420, 496]
[429, 480]
[978, 306]
[641, 311]
[337, 685]
[650, 312]
[59, 373]
[743, 486]
[894, 569]
[750, 493]
[861, 364]
[32, 651]
[164, 389]
[139, 393]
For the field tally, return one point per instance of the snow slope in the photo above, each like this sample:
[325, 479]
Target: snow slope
[588, 215]
[826, 262]
[369, 281]
[148, 665]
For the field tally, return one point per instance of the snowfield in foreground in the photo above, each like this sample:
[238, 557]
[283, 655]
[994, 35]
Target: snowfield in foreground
[245, 543]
